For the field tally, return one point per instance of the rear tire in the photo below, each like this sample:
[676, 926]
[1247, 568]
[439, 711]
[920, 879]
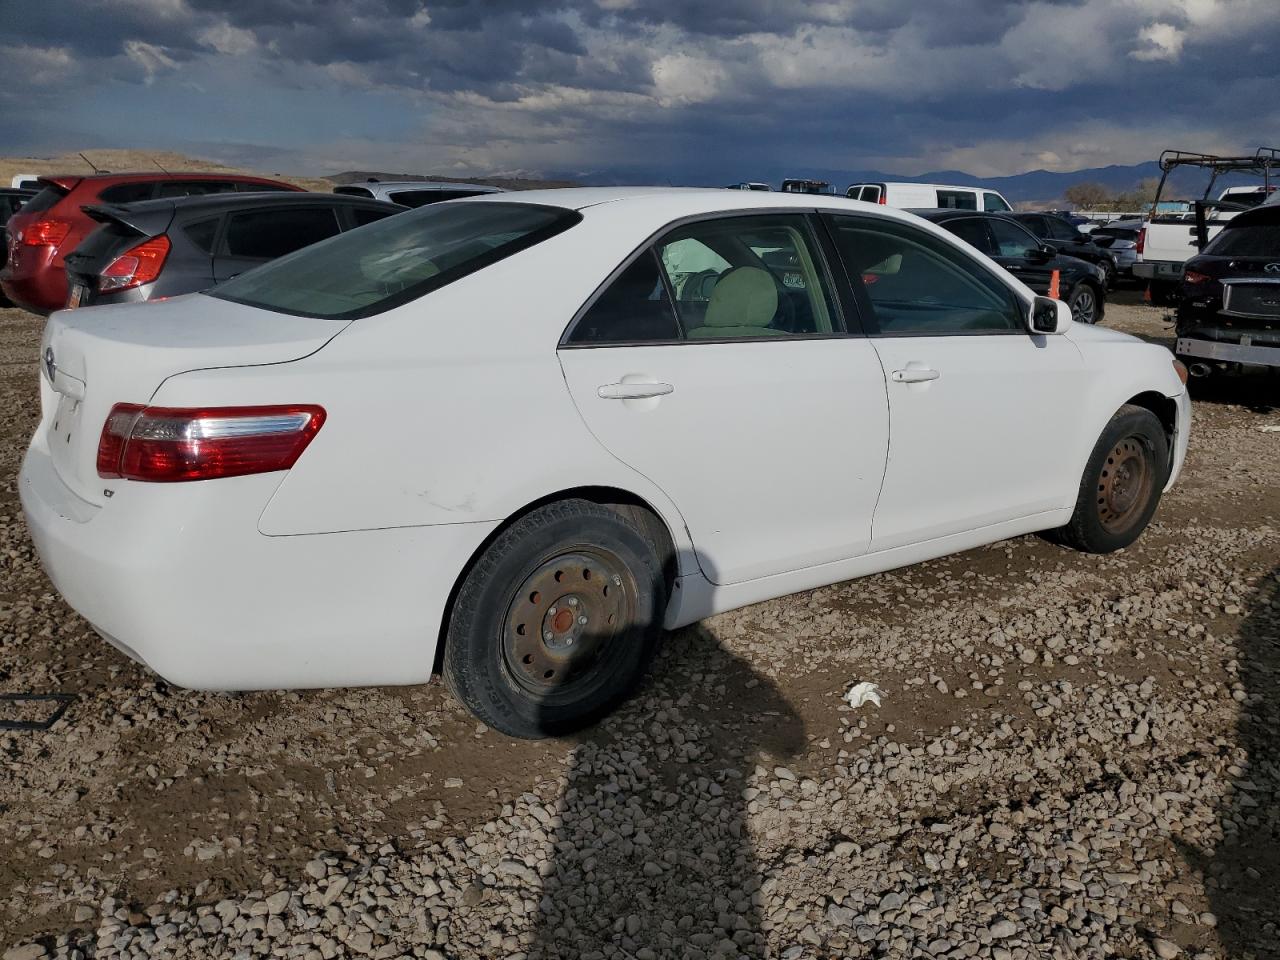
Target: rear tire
[556, 621]
[1121, 485]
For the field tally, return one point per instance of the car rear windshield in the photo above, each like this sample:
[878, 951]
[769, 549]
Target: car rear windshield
[45, 199]
[1256, 240]
[401, 258]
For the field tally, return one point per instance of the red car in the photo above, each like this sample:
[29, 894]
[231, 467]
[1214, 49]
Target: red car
[52, 224]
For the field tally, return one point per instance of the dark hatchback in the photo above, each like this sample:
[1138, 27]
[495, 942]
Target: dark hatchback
[1082, 285]
[1064, 237]
[1228, 307]
[162, 248]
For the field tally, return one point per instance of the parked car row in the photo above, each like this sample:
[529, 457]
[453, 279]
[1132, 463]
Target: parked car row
[110, 238]
[290, 434]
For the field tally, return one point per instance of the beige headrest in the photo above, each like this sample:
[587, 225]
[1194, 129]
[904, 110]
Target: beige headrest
[743, 297]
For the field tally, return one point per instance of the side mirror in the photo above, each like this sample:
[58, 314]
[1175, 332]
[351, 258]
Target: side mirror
[1042, 252]
[1048, 316]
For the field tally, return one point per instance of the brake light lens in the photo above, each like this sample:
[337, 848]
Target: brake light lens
[136, 266]
[1142, 240]
[1194, 276]
[882, 201]
[170, 444]
[50, 232]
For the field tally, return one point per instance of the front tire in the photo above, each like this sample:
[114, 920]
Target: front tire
[1121, 485]
[1084, 302]
[556, 621]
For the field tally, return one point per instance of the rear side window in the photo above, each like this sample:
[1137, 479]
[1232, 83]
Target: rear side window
[957, 200]
[363, 215]
[44, 200]
[973, 231]
[396, 260]
[267, 234]
[202, 233]
[920, 285]
[128, 192]
[994, 203]
[1059, 229]
[871, 194]
[635, 308]
[195, 188]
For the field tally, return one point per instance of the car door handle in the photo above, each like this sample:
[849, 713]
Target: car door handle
[914, 375]
[634, 391]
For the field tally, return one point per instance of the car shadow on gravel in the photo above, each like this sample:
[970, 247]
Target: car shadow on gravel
[652, 854]
[1242, 872]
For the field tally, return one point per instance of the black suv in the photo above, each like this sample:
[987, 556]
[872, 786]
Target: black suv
[1064, 237]
[162, 248]
[1010, 244]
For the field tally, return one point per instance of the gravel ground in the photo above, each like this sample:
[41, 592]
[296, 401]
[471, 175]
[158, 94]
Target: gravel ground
[1076, 757]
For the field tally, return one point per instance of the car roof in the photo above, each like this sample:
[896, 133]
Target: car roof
[696, 199]
[421, 185]
[216, 202]
[939, 214]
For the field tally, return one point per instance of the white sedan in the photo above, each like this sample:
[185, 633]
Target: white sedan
[520, 435]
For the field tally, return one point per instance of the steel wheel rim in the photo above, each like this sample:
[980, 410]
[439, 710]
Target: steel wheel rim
[1082, 307]
[563, 621]
[1124, 486]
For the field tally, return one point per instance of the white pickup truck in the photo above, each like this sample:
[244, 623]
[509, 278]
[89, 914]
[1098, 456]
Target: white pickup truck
[1169, 239]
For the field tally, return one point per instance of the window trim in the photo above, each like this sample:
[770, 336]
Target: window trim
[812, 218]
[867, 307]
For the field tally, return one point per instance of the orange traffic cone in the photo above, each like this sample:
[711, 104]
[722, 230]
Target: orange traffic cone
[1053, 286]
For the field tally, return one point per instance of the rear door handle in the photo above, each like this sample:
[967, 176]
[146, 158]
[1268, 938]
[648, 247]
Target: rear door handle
[914, 375]
[634, 391]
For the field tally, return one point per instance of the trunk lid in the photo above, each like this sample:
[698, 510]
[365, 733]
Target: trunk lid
[92, 359]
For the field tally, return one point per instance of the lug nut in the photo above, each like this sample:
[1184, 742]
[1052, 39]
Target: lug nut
[582, 620]
[548, 635]
[573, 601]
[551, 612]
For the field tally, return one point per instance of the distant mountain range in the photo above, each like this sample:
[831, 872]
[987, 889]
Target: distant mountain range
[1043, 186]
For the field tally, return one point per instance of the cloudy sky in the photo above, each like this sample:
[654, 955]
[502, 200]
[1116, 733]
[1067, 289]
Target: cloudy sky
[698, 91]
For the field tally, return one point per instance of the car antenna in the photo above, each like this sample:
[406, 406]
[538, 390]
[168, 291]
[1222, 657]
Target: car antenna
[90, 163]
[162, 169]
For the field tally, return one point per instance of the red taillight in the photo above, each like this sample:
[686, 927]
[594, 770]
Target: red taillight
[1193, 276]
[49, 232]
[136, 266]
[882, 201]
[1142, 239]
[168, 444]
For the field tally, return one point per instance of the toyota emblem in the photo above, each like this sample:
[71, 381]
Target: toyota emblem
[1272, 268]
[49, 366]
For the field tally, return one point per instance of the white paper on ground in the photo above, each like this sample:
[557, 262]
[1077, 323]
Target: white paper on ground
[860, 693]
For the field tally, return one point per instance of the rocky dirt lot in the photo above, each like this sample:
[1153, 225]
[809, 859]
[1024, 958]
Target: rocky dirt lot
[1076, 757]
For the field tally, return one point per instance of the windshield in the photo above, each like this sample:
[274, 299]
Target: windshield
[385, 264]
[1259, 240]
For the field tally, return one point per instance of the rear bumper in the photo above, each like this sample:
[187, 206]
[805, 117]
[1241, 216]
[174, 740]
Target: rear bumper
[38, 284]
[179, 578]
[1228, 352]
[1158, 270]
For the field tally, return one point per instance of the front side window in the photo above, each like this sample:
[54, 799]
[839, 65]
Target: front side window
[957, 200]
[1012, 239]
[267, 234]
[1059, 229]
[994, 203]
[920, 285]
[399, 259]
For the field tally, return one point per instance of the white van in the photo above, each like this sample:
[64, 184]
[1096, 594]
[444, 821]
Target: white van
[928, 196]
